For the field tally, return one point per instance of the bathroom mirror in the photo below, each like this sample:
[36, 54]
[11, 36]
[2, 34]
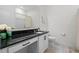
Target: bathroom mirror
[18, 16]
[23, 20]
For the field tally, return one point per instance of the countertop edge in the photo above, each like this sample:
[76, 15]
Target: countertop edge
[24, 40]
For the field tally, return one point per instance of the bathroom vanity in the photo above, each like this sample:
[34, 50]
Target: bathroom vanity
[26, 41]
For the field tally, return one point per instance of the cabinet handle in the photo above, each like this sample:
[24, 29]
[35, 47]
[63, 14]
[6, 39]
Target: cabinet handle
[44, 37]
[26, 44]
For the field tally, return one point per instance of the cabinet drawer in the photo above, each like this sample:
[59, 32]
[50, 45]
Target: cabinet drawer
[21, 45]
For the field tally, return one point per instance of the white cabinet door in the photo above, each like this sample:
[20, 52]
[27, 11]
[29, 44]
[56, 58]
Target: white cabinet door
[43, 43]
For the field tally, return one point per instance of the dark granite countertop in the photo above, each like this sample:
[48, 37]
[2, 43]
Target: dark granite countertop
[21, 39]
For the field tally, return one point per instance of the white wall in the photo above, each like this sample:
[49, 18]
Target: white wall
[62, 19]
[43, 18]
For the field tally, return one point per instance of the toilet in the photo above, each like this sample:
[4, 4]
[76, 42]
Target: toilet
[56, 47]
[51, 41]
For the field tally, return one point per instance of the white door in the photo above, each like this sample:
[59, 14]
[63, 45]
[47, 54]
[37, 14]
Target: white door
[77, 42]
[43, 43]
